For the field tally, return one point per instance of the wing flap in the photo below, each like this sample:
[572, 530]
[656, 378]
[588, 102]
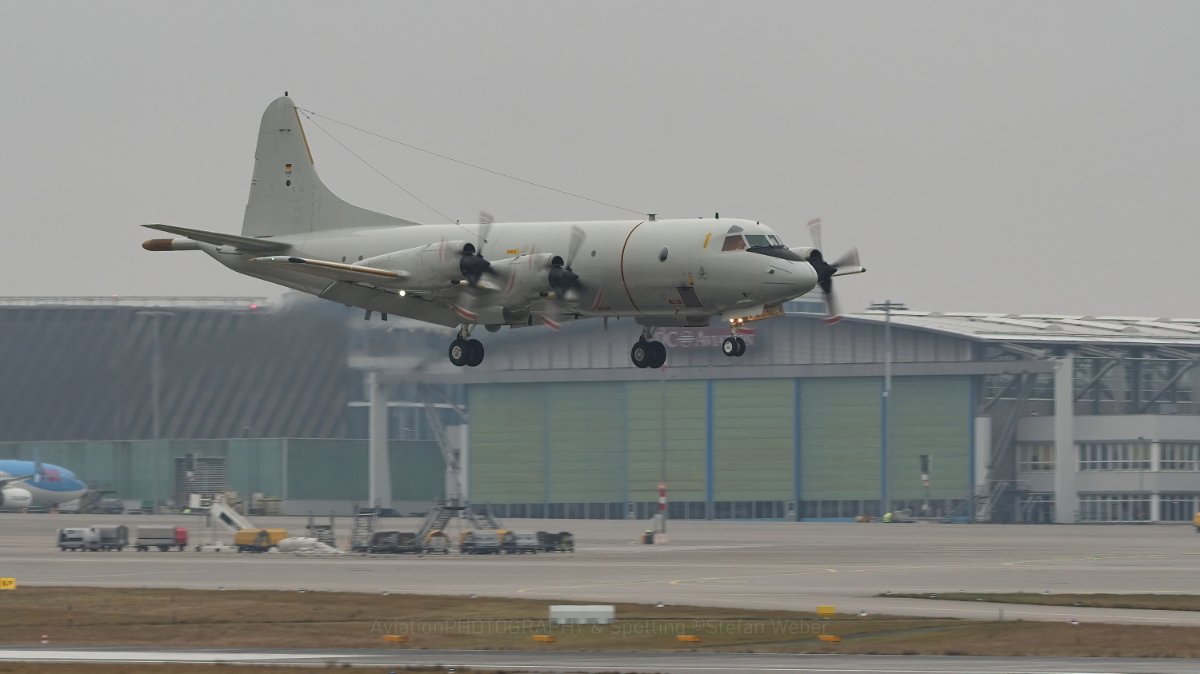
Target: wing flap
[337, 271]
[221, 239]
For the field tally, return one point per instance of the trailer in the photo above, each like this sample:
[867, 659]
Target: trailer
[112, 536]
[162, 537]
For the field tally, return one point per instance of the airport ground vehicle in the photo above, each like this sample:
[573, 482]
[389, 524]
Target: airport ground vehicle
[112, 536]
[163, 538]
[110, 506]
[258, 540]
[1196, 521]
[393, 542]
[78, 538]
[521, 542]
[436, 541]
[479, 542]
[563, 541]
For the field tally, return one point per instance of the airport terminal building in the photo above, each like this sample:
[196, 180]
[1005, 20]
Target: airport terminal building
[1007, 418]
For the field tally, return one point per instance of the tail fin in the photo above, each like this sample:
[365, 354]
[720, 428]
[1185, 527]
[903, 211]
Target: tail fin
[286, 195]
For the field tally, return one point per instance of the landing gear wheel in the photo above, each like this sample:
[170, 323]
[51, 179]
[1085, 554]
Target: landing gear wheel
[640, 353]
[474, 352]
[741, 346]
[658, 354]
[729, 347]
[458, 352]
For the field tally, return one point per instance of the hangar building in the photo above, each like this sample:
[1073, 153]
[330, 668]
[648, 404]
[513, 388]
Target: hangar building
[991, 417]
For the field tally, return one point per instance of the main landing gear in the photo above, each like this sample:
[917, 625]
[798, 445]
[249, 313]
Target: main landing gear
[648, 353]
[464, 351]
[733, 346]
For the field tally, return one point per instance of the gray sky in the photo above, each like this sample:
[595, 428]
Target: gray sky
[1007, 156]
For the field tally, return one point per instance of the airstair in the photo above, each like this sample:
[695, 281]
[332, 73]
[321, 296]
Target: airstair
[365, 521]
[482, 518]
[437, 519]
[322, 532]
[223, 513]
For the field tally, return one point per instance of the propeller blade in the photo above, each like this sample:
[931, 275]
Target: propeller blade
[814, 230]
[848, 259]
[485, 227]
[577, 237]
[833, 311]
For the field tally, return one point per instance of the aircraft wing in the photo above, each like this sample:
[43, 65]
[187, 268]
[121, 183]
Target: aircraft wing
[14, 479]
[220, 239]
[337, 271]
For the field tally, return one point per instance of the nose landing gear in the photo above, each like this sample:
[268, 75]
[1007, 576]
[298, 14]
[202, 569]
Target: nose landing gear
[647, 352]
[464, 351]
[733, 346]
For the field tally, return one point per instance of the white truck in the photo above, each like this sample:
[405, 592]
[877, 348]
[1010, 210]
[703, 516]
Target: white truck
[78, 538]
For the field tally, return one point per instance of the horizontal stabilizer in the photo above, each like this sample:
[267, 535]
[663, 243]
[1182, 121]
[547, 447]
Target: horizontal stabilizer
[337, 271]
[220, 239]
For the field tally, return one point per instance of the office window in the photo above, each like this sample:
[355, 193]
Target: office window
[1124, 455]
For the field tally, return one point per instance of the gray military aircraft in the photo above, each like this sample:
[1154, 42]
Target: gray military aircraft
[660, 272]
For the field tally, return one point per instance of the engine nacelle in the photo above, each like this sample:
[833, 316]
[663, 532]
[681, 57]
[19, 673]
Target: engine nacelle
[15, 498]
[805, 252]
[432, 267]
[525, 277]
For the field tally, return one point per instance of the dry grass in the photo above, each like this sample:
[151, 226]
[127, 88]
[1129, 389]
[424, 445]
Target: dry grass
[1160, 602]
[88, 668]
[250, 619]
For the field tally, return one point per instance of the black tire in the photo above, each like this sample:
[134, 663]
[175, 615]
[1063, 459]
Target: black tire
[729, 347]
[741, 346]
[658, 354]
[459, 352]
[640, 354]
[474, 352]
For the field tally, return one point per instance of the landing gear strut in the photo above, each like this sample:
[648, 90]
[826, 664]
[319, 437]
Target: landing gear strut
[647, 352]
[733, 346]
[464, 351]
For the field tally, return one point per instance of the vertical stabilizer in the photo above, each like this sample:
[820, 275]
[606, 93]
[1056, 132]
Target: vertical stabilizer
[286, 195]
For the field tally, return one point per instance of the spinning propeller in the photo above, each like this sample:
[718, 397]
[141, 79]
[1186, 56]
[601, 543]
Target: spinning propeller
[562, 279]
[472, 264]
[827, 270]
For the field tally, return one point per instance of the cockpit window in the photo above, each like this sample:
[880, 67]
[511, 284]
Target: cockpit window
[734, 242]
[774, 240]
[757, 240]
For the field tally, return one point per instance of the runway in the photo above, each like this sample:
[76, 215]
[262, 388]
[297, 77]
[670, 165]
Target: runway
[768, 565]
[662, 663]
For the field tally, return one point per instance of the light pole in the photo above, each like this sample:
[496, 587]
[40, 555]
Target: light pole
[887, 307]
[156, 369]
[662, 456]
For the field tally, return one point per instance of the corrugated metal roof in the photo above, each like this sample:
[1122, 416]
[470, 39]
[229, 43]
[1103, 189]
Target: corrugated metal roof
[1048, 328]
[86, 372]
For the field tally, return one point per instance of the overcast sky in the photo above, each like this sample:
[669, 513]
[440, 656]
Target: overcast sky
[1034, 157]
